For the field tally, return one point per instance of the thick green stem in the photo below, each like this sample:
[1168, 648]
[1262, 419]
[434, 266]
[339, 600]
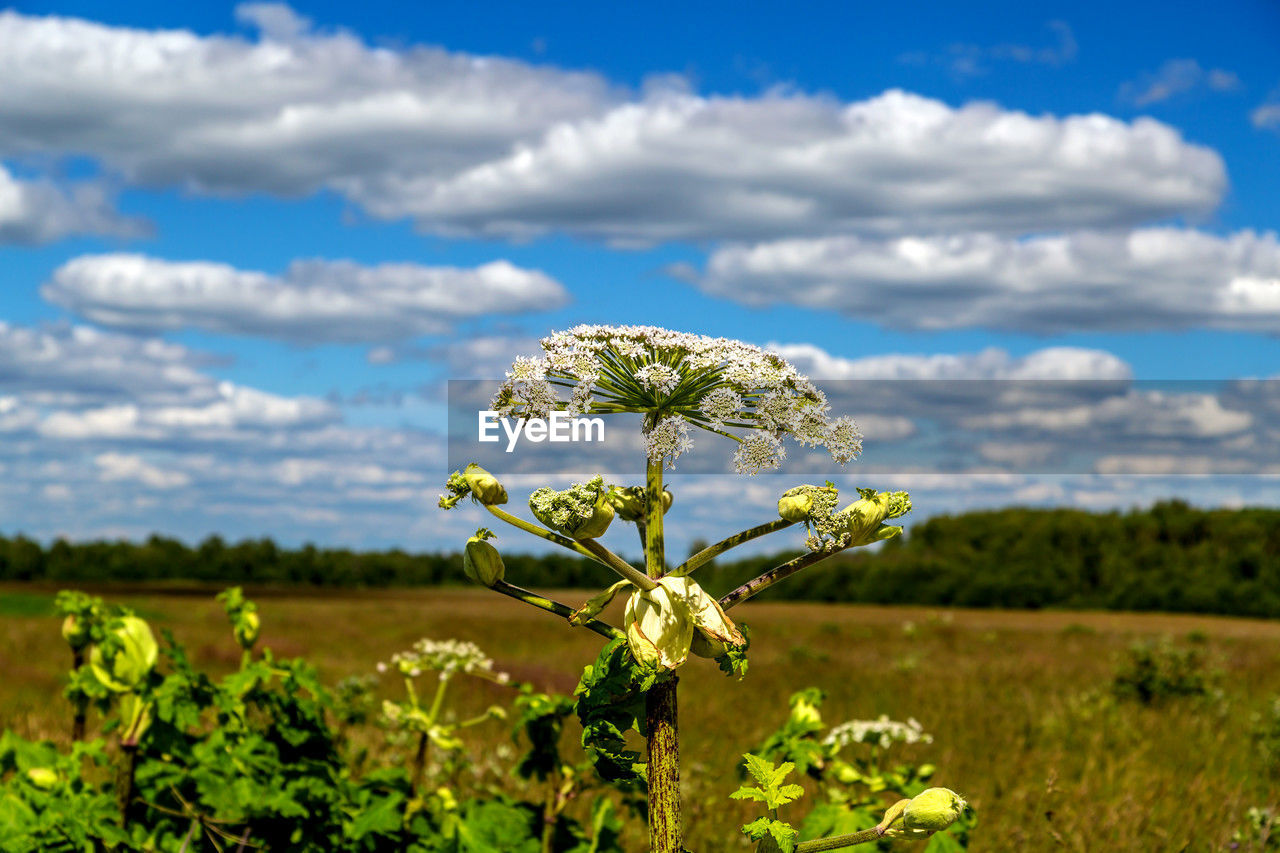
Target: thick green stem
[419, 762]
[80, 701]
[769, 578]
[619, 565]
[838, 842]
[604, 629]
[708, 554]
[665, 835]
[125, 772]
[550, 818]
[600, 554]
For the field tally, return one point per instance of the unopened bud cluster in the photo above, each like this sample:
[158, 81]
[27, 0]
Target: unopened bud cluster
[860, 523]
[475, 481]
[582, 511]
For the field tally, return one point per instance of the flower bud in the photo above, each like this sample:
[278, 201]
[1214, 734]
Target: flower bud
[795, 505]
[930, 811]
[130, 654]
[933, 810]
[76, 632]
[628, 501]
[664, 624]
[481, 561]
[863, 518]
[484, 486]
[42, 777]
[246, 629]
[659, 626]
[582, 511]
[714, 631]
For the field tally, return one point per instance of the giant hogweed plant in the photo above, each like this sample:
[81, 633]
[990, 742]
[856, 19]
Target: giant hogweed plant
[679, 383]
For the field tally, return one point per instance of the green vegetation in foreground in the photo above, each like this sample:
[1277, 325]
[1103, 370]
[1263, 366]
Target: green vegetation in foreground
[1025, 708]
[1171, 557]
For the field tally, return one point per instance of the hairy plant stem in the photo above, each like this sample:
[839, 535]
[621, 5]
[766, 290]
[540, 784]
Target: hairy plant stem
[604, 629]
[839, 842]
[599, 553]
[769, 578]
[125, 790]
[81, 702]
[709, 553]
[665, 835]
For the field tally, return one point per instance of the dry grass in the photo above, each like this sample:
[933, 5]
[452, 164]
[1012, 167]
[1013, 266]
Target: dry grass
[1005, 695]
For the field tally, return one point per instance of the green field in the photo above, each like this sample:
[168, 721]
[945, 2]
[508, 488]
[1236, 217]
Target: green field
[1014, 700]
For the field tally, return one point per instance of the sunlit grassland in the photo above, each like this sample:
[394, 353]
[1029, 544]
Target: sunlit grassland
[1005, 694]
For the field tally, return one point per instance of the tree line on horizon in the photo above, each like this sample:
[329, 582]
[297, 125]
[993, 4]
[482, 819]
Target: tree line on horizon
[1169, 557]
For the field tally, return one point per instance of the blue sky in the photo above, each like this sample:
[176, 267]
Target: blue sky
[244, 246]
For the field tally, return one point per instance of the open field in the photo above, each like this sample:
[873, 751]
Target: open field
[1003, 693]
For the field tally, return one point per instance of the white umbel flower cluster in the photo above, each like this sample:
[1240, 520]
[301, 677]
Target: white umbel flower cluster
[882, 732]
[446, 657]
[679, 379]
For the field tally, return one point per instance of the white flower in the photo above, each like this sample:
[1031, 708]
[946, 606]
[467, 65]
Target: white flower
[526, 369]
[712, 383]
[844, 440]
[658, 378]
[720, 405]
[760, 452]
[667, 440]
[882, 732]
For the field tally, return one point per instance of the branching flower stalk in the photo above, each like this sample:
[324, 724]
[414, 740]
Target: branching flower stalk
[447, 658]
[676, 381]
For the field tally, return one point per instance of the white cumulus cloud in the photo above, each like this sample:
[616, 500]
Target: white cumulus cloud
[1114, 280]
[40, 211]
[313, 301]
[492, 146]
[680, 166]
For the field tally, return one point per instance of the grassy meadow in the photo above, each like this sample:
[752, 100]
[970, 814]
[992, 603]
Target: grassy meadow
[1016, 701]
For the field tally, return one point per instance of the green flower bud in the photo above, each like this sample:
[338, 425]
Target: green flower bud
[807, 503]
[246, 628]
[659, 626]
[795, 505]
[75, 632]
[42, 777]
[714, 630]
[481, 561]
[130, 654]
[582, 511]
[628, 501]
[484, 486]
[863, 518]
[930, 811]
[666, 623]
[845, 773]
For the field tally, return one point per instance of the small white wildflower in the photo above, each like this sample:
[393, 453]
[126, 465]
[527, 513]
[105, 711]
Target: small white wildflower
[760, 452]
[528, 369]
[720, 405]
[658, 378]
[843, 440]
[882, 732]
[667, 440]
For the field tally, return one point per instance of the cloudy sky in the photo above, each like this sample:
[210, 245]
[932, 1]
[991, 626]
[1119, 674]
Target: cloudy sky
[245, 246]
